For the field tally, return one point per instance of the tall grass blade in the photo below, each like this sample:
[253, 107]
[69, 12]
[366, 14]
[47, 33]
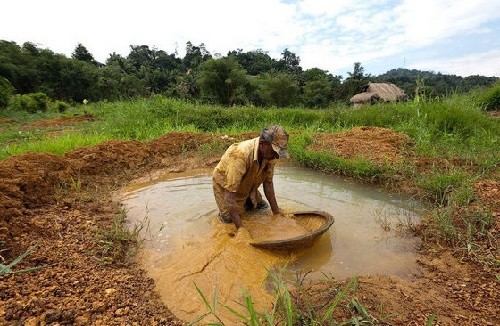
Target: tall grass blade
[430, 320]
[338, 298]
[251, 309]
[7, 269]
[234, 312]
[207, 304]
[288, 307]
[216, 297]
[197, 320]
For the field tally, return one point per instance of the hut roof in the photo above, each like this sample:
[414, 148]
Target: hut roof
[386, 92]
[362, 97]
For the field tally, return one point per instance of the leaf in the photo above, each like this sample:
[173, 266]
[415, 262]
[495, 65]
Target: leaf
[207, 304]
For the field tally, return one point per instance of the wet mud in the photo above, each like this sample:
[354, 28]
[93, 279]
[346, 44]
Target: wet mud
[59, 204]
[186, 244]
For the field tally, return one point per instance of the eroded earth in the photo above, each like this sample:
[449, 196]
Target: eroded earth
[61, 207]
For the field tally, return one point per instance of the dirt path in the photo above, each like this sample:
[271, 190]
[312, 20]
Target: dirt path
[62, 205]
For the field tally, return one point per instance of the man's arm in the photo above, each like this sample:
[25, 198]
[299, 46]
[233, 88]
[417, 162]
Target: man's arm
[271, 197]
[230, 198]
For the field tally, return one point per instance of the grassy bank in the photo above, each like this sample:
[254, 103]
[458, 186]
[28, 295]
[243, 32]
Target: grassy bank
[452, 129]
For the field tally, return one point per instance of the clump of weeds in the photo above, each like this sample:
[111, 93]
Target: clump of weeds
[341, 306]
[9, 268]
[117, 240]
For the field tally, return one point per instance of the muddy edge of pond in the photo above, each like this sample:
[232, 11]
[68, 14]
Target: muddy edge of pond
[59, 202]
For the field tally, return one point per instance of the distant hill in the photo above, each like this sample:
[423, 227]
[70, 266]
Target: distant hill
[435, 84]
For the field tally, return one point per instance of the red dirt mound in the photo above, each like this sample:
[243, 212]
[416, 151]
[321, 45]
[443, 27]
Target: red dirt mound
[108, 157]
[61, 203]
[379, 145]
[29, 180]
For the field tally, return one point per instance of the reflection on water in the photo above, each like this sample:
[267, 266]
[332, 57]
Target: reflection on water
[186, 244]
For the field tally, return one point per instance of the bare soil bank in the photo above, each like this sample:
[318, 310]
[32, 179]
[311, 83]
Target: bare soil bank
[59, 203]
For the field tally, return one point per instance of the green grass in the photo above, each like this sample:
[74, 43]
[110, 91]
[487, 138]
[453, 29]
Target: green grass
[325, 161]
[59, 145]
[440, 128]
[288, 310]
[115, 241]
[452, 128]
[9, 268]
[438, 186]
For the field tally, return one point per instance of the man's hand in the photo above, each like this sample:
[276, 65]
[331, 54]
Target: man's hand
[279, 212]
[242, 235]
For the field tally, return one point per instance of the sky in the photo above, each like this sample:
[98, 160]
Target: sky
[459, 37]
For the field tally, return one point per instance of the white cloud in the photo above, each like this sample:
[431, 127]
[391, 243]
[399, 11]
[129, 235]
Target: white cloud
[372, 32]
[426, 22]
[484, 64]
[327, 34]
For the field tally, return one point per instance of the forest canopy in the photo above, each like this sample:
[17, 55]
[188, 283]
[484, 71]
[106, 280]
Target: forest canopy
[247, 78]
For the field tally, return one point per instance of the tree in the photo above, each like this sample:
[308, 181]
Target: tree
[18, 66]
[108, 83]
[30, 48]
[279, 89]
[356, 81]
[140, 56]
[254, 62]
[317, 90]
[358, 72]
[77, 80]
[81, 53]
[290, 60]
[131, 86]
[223, 80]
[195, 55]
[6, 91]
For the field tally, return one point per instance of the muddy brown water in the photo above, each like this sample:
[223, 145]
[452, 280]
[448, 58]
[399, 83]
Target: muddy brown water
[186, 247]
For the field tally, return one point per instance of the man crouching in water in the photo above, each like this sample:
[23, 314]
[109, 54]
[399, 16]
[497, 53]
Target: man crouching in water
[243, 168]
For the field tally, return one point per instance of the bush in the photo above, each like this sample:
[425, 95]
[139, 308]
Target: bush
[31, 103]
[6, 91]
[41, 101]
[491, 99]
[60, 106]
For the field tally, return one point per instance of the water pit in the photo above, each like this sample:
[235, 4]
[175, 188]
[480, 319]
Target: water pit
[186, 245]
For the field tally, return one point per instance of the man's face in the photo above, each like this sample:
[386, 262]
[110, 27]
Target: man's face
[267, 151]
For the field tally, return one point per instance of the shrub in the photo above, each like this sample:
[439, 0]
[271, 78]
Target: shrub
[491, 98]
[60, 106]
[6, 91]
[41, 101]
[31, 103]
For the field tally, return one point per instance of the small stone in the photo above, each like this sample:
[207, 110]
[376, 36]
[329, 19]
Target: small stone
[82, 320]
[53, 316]
[109, 291]
[32, 321]
[120, 312]
[98, 306]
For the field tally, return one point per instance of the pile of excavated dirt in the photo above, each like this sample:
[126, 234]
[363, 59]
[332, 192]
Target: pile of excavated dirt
[379, 145]
[59, 206]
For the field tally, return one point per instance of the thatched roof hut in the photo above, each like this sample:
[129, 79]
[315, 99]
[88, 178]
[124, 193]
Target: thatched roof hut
[375, 92]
